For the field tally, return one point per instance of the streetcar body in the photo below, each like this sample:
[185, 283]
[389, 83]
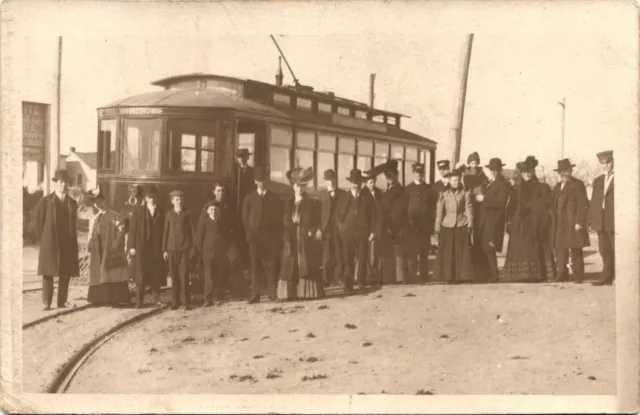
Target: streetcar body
[186, 135]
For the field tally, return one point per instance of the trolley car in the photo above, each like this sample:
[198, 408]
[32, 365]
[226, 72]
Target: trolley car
[186, 134]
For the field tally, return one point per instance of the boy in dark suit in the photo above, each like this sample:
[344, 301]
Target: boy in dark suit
[601, 218]
[178, 248]
[212, 239]
[262, 219]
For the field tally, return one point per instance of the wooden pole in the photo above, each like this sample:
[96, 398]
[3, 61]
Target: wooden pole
[57, 139]
[563, 104]
[457, 131]
[372, 95]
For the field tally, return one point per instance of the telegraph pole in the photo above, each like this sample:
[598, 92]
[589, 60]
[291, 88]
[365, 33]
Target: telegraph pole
[56, 146]
[563, 104]
[457, 131]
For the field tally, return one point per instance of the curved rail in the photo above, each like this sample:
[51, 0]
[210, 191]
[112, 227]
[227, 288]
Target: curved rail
[56, 315]
[68, 371]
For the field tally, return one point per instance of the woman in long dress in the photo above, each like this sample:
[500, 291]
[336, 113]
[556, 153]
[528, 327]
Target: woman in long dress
[108, 271]
[529, 257]
[454, 230]
[299, 270]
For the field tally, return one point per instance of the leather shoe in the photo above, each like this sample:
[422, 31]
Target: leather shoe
[600, 283]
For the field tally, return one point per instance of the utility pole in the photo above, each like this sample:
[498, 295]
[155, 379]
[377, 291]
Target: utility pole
[457, 131]
[372, 95]
[56, 146]
[563, 104]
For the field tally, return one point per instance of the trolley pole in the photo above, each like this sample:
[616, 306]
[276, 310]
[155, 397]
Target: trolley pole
[563, 104]
[457, 131]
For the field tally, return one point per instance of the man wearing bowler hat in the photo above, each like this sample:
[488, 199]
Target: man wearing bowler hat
[421, 210]
[490, 225]
[392, 225]
[262, 219]
[55, 218]
[355, 221]
[601, 218]
[373, 254]
[570, 207]
[332, 250]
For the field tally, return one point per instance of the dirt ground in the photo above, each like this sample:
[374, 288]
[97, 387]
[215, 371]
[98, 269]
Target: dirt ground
[484, 339]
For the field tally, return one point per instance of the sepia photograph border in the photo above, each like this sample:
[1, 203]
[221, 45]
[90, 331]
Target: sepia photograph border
[194, 19]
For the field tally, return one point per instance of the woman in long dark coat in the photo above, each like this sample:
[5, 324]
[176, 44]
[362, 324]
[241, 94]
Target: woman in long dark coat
[144, 245]
[454, 228]
[529, 256]
[108, 273]
[299, 271]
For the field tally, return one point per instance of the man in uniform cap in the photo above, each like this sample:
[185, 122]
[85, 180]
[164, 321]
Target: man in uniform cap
[392, 226]
[443, 171]
[421, 210]
[55, 218]
[262, 219]
[490, 225]
[601, 217]
[332, 249]
[570, 207]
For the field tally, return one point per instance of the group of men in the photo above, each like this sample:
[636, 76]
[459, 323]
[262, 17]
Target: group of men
[390, 245]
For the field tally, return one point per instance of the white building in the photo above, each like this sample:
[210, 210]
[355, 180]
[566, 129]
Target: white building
[82, 168]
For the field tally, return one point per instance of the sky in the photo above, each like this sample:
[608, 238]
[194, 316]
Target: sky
[516, 77]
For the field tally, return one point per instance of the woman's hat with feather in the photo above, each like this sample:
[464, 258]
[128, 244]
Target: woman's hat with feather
[300, 175]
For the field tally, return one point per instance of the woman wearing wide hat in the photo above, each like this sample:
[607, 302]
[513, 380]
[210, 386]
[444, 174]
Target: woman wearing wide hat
[529, 257]
[108, 271]
[299, 269]
[454, 230]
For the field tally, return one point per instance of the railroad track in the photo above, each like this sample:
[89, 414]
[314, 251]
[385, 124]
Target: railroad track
[65, 375]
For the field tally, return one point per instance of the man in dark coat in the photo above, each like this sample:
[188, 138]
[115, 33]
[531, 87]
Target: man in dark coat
[421, 210]
[356, 212]
[392, 224]
[332, 250]
[144, 244]
[242, 185]
[443, 170]
[601, 218]
[373, 261]
[212, 240]
[55, 219]
[490, 225]
[569, 234]
[232, 278]
[262, 219]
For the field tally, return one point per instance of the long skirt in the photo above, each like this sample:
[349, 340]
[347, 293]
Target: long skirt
[297, 287]
[529, 259]
[453, 261]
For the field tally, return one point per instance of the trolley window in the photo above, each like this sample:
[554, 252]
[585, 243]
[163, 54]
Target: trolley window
[344, 111]
[397, 153]
[324, 107]
[326, 155]
[304, 155]
[381, 156]
[141, 145]
[280, 153]
[365, 154]
[192, 146]
[107, 138]
[282, 99]
[361, 114]
[248, 141]
[411, 157]
[346, 155]
[303, 104]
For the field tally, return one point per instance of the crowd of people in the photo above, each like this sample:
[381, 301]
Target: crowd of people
[350, 238]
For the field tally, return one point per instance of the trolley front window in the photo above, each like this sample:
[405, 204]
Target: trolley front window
[141, 145]
[280, 153]
[107, 137]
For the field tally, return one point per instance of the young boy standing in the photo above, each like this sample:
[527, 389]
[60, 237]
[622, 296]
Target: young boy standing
[178, 248]
[212, 239]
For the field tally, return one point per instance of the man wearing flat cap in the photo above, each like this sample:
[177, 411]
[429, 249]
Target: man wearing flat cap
[490, 225]
[570, 207]
[355, 216]
[328, 233]
[55, 218]
[601, 218]
[421, 210]
[393, 225]
[144, 245]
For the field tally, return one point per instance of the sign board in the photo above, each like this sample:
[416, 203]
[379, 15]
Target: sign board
[34, 131]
